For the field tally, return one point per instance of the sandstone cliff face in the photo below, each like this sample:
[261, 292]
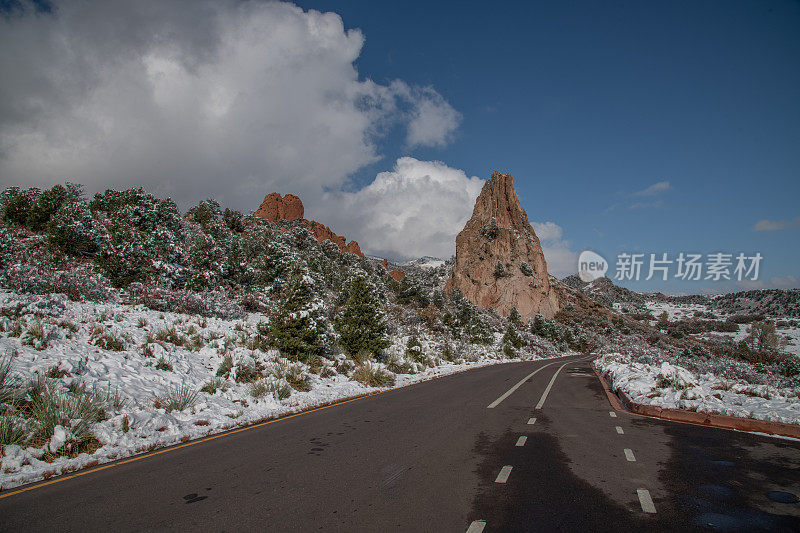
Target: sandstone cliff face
[276, 208]
[499, 260]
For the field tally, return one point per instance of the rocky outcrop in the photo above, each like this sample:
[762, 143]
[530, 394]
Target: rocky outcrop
[323, 233]
[398, 275]
[276, 208]
[499, 260]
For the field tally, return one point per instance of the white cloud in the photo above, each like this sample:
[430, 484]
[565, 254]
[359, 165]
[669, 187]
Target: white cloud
[415, 209]
[230, 100]
[654, 189]
[433, 120]
[776, 225]
[547, 231]
[775, 282]
[561, 261]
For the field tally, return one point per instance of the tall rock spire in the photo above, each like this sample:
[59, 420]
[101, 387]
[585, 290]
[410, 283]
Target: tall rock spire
[499, 260]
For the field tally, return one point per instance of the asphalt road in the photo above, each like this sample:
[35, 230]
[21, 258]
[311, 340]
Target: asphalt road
[434, 457]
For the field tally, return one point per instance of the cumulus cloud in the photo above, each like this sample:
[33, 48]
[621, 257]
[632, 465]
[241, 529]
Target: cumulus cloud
[432, 120]
[209, 99]
[561, 261]
[415, 209]
[654, 189]
[776, 225]
[547, 231]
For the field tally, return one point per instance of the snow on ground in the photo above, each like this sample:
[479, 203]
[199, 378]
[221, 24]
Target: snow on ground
[425, 262]
[676, 311]
[672, 386]
[687, 311]
[160, 352]
[792, 335]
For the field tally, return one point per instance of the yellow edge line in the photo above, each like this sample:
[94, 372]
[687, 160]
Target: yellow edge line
[92, 470]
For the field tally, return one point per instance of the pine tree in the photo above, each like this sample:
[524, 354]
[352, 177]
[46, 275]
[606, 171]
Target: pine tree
[296, 325]
[539, 326]
[361, 325]
[512, 338]
[479, 331]
[514, 317]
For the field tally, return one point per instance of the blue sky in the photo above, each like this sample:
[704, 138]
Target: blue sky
[660, 127]
[586, 103]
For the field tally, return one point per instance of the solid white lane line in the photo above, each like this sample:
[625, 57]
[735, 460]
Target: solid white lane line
[549, 386]
[531, 421]
[521, 441]
[515, 387]
[619, 430]
[476, 526]
[646, 501]
[612, 414]
[502, 477]
[629, 455]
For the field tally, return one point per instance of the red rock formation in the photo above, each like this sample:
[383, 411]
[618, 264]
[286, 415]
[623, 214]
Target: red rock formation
[385, 264]
[276, 208]
[499, 260]
[397, 274]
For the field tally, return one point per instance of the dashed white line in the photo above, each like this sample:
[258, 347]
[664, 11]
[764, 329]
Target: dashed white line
[646, 501]
[620, 431]
[531, 421]
[612, 414]
[476, 526]
[521, 441]
[549, 386]
[515, 387]
[502, 477]
[629, 455]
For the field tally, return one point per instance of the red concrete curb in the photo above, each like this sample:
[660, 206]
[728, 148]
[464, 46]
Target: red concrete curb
[620, 401]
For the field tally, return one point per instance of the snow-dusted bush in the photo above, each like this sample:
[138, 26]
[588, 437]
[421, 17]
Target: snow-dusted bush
[52, 407]
[49, 202]
[73, 229]
[35, 269]
[209, 303]
[373, 375]
[16, 204]
[178, 398]
[142, 236]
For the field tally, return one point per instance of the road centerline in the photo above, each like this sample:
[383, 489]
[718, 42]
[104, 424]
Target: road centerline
[521, 441]
[629, 455]
[502, 477]
[620, 430]
[646, 501]
[476, 526]
[510, 391]
[549, 386]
